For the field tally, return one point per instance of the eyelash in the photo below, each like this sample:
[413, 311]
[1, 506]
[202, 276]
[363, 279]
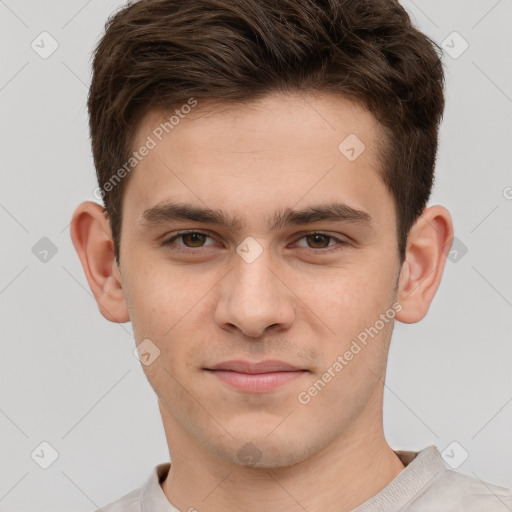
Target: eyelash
[168, 242]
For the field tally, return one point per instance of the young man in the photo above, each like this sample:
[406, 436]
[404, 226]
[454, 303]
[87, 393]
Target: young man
[265, 169]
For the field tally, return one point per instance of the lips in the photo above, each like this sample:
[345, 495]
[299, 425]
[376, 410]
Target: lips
[256, 377]
[268, 366]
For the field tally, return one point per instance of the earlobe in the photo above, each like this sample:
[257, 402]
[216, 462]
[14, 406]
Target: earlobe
[92, 238]
[427, 249]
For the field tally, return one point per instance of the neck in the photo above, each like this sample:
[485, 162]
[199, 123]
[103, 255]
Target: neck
[340, 477]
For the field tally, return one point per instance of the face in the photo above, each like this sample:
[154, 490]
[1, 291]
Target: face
[273, 310]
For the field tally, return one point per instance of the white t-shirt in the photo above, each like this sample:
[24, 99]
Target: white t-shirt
[425, 485]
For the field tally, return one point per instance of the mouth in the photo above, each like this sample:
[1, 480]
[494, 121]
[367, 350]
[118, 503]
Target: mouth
[256, 377]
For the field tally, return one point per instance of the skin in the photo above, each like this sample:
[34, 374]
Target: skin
[292, 303]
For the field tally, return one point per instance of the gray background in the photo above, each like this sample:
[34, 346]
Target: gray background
[69, 378]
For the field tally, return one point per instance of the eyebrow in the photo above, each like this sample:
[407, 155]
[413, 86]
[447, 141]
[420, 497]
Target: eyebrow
[336, 211]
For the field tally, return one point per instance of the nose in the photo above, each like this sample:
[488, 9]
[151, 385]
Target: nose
[254, 298]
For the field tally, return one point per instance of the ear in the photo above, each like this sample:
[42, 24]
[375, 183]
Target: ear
[428, 246]
[92, 238]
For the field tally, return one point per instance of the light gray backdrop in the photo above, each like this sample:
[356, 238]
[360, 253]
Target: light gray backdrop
[69, 379]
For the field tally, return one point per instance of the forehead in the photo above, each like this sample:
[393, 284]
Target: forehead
[265, 118]
[278, 151]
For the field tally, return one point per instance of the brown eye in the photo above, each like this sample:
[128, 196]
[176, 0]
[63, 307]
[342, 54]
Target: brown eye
[189, 240]
[318, 240]
[321, 243]
[193, 239]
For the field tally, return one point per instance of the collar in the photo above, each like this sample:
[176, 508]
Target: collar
[422, 468]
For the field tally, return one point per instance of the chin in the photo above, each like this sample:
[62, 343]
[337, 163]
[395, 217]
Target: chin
[253, 451]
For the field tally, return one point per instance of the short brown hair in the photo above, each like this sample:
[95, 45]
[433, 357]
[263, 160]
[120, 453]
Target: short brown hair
[157, 54]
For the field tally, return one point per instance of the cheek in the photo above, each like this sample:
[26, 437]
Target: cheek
[346, 299]
[160, 298]
[351, 304]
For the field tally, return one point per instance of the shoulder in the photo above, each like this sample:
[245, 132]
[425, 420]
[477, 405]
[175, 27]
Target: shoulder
[457, 491]
[146, 497]
[127, 503]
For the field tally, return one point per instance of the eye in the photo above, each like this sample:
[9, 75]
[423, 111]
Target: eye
[191, 239]
[319, 241]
